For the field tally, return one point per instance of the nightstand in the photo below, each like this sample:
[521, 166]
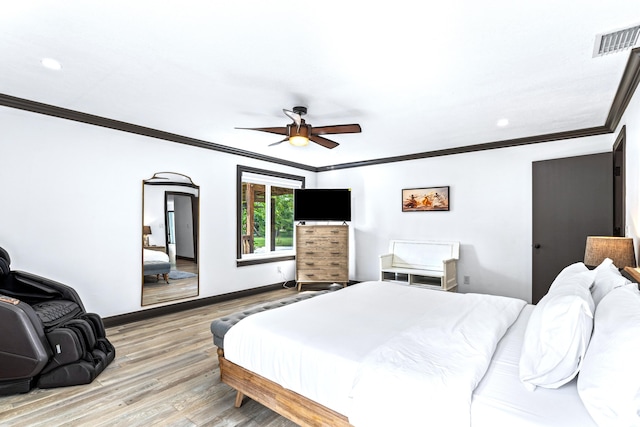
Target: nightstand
[634, 273]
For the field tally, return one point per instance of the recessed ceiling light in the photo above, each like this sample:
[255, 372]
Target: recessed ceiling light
[502, 123]
[51, 64]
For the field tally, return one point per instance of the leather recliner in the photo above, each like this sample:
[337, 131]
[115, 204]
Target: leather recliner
[47, 338]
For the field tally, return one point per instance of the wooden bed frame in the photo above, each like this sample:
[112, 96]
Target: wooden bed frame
[287, 403]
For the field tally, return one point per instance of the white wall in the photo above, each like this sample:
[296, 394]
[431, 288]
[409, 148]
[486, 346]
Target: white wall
[71, 208]
[490, 214]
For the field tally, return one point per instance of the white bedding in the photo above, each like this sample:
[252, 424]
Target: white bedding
[151, 255]
[331, 342]
[502, 400]
[428, 372]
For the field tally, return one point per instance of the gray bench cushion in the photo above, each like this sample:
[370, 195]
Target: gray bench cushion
[151, 268]
[219, 327]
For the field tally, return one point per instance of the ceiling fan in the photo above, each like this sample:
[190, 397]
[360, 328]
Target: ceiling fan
[299, 133]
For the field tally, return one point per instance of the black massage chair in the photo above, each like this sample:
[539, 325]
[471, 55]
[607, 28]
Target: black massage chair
[46, 338]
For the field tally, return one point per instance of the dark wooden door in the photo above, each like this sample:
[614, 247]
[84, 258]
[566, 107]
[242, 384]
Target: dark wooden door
[572, 199]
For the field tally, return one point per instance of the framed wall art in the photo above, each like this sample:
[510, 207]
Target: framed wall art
[425, 199]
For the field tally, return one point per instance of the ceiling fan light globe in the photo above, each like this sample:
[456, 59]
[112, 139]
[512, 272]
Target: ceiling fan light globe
[299, 141]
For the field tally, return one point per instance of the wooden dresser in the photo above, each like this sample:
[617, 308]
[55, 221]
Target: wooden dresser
[322, 254]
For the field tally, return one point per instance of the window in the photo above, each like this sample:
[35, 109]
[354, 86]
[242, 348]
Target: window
[265, 215]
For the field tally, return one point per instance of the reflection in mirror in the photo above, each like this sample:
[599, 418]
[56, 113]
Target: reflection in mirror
[170, 219]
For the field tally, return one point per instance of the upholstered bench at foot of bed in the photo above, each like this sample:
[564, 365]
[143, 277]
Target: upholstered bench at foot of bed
[219, 327]
[155, 268]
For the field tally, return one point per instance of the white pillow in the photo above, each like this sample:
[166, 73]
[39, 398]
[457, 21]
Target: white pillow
[568, 272]
[608, 277]
[609, 381]
[558, 333]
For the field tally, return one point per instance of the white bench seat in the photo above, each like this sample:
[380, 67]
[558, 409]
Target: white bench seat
[425, 263]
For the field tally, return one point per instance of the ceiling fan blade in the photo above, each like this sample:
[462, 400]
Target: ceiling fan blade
[297, 118]
[279, 142]
[325, 130]
[282, 130]
[327, 143]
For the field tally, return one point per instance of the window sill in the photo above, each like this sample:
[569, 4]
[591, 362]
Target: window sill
[264, 259]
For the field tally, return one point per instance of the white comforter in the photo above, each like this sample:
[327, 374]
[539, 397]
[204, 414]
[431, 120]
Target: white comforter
[151, 255]
[427, 373]
[379, 353]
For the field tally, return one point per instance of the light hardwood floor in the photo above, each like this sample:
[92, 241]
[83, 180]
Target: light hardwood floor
[165, 374]
[156, 291]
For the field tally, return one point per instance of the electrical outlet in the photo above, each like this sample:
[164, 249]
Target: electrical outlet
[467, 280]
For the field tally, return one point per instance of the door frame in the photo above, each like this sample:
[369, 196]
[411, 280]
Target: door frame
[619, 184]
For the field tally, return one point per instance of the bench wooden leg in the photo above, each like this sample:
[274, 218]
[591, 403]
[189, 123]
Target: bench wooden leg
[239, 397]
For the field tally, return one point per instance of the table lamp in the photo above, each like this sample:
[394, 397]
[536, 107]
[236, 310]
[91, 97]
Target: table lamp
[619, 249]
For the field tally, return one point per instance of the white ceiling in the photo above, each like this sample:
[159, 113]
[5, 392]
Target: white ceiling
[417, 75]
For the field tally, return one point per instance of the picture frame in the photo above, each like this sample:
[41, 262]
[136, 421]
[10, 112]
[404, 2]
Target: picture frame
[425, 199]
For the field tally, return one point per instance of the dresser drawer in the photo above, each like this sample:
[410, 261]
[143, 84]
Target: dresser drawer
[322, 231]
[322, 275]
[322, 250]
[324, 263]
[323, 237]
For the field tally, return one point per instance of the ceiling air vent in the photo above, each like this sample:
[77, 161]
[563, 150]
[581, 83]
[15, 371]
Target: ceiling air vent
[616, 41]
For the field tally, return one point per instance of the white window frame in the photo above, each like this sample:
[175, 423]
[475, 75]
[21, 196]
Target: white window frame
[268, 179]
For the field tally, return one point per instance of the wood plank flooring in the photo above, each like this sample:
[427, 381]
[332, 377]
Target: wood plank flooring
[165, 374]
[156, 291]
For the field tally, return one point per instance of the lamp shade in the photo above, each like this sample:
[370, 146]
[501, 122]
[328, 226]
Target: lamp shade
[618, 249]
[146, 229]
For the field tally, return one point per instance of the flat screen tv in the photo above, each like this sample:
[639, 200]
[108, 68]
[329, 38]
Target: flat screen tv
[322, 204]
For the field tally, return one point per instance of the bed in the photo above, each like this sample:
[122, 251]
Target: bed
[155, 263]
[379, 353]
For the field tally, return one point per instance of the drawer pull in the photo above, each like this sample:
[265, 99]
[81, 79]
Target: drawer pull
[309, 263]
[309, 253]
[335, 263]
[336, 243]
[310, 274]
[335, 253]
[309, 242]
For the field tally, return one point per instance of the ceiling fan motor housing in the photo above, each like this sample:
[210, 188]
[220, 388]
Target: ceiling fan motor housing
[304, 131]
[300, 110]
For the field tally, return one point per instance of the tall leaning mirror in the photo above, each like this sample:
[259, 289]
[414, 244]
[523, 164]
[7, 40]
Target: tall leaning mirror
[170, 219]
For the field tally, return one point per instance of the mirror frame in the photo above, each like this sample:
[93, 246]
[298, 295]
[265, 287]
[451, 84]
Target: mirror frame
[176, 182]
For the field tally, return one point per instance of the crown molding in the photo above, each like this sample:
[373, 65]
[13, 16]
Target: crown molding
[77, 116]
[476, 147]
[626, 89]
